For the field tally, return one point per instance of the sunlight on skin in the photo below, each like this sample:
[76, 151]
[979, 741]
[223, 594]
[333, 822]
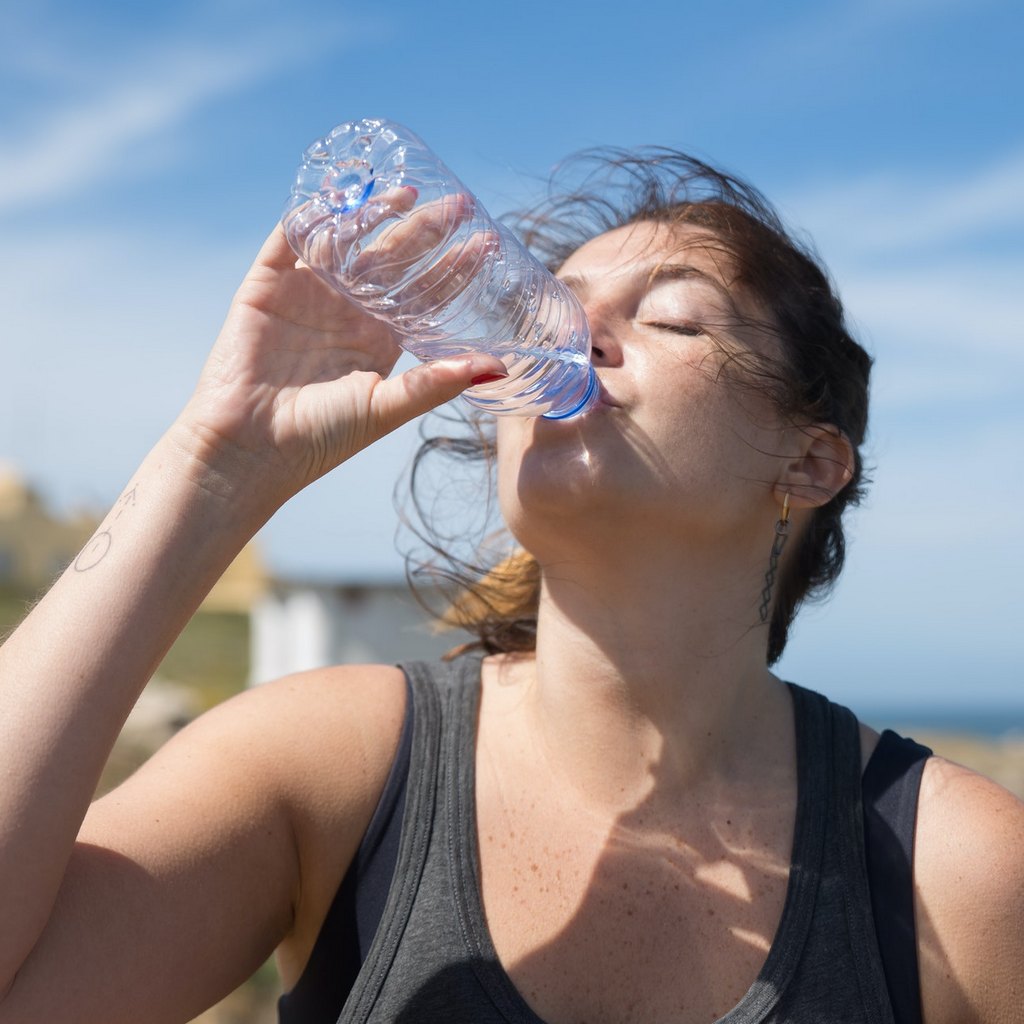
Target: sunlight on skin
[727, 876]
[752, 938]
[572, 870]
[723, 873]
[583, 456]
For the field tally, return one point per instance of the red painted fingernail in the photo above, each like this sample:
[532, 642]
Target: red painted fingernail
[415, 192]
[488, 378]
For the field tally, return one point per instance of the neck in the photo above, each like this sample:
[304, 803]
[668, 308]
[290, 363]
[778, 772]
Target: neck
[642, 664]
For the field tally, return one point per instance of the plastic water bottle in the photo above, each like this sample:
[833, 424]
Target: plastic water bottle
[378, 216]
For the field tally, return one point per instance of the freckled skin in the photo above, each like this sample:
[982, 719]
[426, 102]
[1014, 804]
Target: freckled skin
[600, 941]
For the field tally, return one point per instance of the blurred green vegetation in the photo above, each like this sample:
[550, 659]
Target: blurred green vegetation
[210, 657]
[14, 606]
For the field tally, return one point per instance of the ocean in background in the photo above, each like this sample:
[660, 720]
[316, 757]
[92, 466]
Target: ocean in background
[988, 722]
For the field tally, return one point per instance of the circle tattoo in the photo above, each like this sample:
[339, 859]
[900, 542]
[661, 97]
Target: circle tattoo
[94, 552]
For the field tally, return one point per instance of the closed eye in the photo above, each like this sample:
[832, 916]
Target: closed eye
[690, 330]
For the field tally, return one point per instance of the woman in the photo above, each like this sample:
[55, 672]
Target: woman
[618, 813]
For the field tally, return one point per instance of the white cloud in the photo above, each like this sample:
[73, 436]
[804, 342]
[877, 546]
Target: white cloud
[930, 277]
[110, 119]
[840, 38]
[890, 214]
[74, 148]
[966, 304]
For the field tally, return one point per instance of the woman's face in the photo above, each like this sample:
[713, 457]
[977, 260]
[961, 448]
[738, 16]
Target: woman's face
[674, 445]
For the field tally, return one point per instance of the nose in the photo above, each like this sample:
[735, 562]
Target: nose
[605, 346]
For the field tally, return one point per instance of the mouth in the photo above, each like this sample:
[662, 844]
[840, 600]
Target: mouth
[604, 397]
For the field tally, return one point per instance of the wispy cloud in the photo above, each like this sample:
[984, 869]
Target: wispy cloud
[930, 274]
[838, 38]
[98, 121]
[899, 214]
[74, 147]
[963, 303]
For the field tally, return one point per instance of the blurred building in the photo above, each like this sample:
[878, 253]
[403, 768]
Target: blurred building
[37, 544]
[293, 625]
[298, 625]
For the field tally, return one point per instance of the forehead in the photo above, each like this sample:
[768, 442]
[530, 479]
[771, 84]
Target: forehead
[643, 247]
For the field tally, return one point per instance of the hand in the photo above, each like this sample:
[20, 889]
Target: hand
[297, 381]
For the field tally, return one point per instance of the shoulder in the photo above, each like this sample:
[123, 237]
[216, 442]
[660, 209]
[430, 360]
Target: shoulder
[322, 740]
[231, 840]
[969, 896]
[342, 720]
[320, 745]
[316, 745]
[316, 712]
[269, 741]
[311, 750]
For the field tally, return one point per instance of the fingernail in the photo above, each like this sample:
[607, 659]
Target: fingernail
[487, 378]
[414, 192]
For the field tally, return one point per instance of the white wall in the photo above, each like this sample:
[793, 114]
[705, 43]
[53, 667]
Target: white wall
[298, 626]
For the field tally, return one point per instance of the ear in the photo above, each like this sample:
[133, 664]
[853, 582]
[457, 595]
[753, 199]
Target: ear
[821, 467]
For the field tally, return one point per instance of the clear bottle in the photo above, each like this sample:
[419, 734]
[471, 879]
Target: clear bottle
[378, 216]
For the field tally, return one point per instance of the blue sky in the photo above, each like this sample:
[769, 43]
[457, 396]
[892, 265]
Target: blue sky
[147, 149]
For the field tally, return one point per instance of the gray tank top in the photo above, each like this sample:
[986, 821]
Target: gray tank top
[432, 960]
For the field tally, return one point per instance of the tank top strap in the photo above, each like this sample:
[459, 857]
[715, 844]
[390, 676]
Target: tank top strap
[891, 785]
[834, 751]
[429, 682]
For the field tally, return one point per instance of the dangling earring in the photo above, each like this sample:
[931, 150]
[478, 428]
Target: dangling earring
[781, 536]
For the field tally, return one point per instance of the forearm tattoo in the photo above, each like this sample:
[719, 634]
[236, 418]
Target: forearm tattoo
[101, 541]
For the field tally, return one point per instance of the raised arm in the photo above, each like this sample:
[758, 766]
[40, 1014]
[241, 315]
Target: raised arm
[296, 383]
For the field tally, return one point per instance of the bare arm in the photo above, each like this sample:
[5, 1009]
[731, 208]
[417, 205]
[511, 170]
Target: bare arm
[969, 898]
[295, 385]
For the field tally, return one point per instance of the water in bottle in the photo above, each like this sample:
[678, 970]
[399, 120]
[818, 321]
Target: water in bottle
[378, 216]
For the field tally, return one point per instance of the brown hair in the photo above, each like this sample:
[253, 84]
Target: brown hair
[821, 377]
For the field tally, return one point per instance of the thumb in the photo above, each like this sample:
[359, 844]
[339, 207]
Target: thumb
[422, 388]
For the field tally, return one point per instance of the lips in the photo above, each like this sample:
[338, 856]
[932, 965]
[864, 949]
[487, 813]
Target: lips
[605, 397]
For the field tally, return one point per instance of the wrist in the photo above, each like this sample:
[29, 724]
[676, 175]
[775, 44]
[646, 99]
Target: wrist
[246, 485]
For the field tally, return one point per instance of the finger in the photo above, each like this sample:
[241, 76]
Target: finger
[409, 241]
[392, 203]
[422, 388]
[322, 238]
[423, 230]
[446, 278]
[276, 252]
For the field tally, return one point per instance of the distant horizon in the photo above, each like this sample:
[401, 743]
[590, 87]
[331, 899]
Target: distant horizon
[984, 720]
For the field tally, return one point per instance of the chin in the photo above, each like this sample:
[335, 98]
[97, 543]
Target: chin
[550, 499]
[555, 471]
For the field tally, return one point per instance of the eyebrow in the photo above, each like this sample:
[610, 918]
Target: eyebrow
[663, 272]
[685, 272]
